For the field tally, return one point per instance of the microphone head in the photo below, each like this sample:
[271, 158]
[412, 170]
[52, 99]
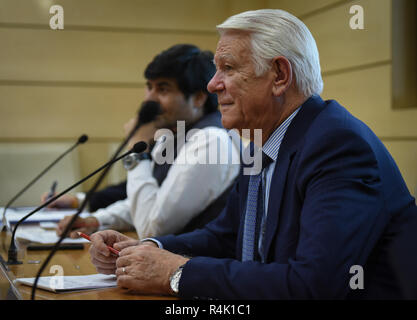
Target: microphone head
[83, 138]
[149, 111]
[139, 147]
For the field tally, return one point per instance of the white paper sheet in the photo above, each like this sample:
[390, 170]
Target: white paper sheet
[14, 215]
[72, 283]
[48, 225]
[37, 234]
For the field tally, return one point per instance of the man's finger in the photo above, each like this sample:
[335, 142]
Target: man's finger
[122, 271]
[122, 262]
[98, 246]
[63, 223]
[125, 244]
[126, 281]
[103, 264]
[105, 271]
[97, 254]
[129, 250]
[74, 234]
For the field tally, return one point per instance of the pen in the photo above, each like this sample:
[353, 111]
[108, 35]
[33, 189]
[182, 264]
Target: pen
[62, 246]
[52, 191]
[88, 238]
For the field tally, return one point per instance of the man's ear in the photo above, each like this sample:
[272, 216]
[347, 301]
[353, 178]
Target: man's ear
[282, 75]
[199, 99]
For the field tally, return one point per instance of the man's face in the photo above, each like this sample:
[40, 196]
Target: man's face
[245, 100]
[174, 105]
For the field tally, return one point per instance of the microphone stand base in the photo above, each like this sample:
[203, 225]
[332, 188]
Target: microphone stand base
[13, 256]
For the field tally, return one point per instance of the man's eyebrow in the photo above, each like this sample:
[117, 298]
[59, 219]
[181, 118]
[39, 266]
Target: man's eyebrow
[223, 56]
[163, 83]
[159, 84]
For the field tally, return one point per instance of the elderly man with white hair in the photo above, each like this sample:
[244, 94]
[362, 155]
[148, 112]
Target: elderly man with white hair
[328, 200]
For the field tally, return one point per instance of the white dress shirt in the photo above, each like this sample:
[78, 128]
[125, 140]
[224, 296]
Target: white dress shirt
[186, 191]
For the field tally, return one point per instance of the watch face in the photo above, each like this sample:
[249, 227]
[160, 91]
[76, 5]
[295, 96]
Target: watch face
[131, 160]
[128, 162]
[175, 281]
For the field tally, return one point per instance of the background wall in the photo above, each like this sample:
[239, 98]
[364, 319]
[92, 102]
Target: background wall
[88, 78]
[357, 71]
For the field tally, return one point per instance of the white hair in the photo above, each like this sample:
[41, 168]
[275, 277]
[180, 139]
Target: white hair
[278, 33]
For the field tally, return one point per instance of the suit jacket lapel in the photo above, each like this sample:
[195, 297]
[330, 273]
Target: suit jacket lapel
[275, 197]
[298, 127]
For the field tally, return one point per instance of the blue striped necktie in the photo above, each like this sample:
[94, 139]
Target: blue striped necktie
[253, 216]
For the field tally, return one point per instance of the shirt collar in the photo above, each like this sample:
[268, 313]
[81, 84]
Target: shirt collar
[271, 146]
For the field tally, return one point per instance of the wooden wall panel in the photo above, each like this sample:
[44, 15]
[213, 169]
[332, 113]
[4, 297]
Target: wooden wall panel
[21, 162]
[404, 46]
[238, 6]
[94, 155]
[87, 56]
[42, 112]
[143, 14]
[117, 173]
[340, 47]
[300, 8]
[367, 95]
[405, 155]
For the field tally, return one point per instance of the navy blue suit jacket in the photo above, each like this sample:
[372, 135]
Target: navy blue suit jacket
[337, 199]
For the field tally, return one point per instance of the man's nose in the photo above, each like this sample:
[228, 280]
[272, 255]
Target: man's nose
[216, 84]
[150, 95]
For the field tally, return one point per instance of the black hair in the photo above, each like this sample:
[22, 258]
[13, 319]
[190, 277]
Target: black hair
[190, 67]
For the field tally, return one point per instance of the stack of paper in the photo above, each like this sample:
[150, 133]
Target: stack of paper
[38, 235]
[72, 283]
[14, 215]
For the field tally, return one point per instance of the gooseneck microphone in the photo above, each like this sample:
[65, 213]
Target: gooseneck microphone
[148, 113]
[82, 139]
[12, 253]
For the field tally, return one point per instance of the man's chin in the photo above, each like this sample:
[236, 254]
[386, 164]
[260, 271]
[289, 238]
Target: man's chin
[161, 123]
[229, 123]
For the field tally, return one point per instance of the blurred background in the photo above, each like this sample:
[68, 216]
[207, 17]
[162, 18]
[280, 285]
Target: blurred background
[88, 78]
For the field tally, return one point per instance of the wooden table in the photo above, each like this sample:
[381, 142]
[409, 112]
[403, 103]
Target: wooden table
[73, 262]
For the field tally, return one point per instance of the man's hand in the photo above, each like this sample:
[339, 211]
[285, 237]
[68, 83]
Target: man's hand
[64, 201]
[146, 269]
[85, 225]
[102, 258]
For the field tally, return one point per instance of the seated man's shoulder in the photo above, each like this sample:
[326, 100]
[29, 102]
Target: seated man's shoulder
[337, 124]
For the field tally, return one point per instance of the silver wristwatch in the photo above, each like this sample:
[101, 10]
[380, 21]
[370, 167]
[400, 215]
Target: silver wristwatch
[174, 280]
[131, 160]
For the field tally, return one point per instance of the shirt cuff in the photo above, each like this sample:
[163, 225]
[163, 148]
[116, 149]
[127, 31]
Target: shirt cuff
[142, 170]
[105, 220]
[158, 243]
[80, 198]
